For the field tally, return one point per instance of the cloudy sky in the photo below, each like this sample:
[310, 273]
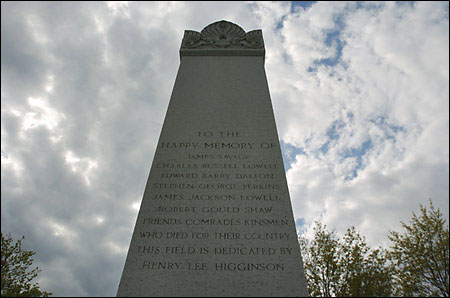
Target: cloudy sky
[360, 93]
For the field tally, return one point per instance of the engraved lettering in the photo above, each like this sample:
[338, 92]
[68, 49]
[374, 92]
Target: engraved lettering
[212, 222]
[148, 249]
[227, 197]
[205, 133]
[179, 145]
[217, 186]
[176, 235]
[260, 186]
[161, 221]
[220, 145]
[244, 250]
[232, 156]
[179, 250]
[266, 236]
[201, 235]
[249, 266]
[266, 222]
[154, 235]
[215, 176]
[160, 265]
[227, 236]
[285, 251]
[197, 266]
[173, 197]
[257, 209]
[200, 156]
[173, 186]
[175, 166]
[223, 209]
[230, 134]
[219, 166]
[178, 209]
[179, 175]
[268, 145]
[259, 166]
[255, 176]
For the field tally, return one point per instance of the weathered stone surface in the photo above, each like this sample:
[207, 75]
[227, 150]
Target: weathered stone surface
[222, 39]
[216, 217]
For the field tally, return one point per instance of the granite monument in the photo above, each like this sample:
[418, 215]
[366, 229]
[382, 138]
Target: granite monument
[216, 216]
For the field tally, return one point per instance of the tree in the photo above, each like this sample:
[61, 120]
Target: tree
[365, 272]
[321, 262]
[421, 255]
[16, 275]
[344, 268]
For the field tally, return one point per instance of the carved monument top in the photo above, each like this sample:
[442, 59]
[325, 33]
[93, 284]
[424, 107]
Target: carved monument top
[222, 38]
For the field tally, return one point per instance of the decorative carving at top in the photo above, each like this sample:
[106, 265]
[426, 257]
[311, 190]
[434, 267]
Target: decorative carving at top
[222, 35]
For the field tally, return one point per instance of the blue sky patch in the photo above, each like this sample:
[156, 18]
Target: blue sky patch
[390, 129]
[332, 134]
[300, 225]
[289, 152]
[358, 153]
[295, 5]
[333, 40]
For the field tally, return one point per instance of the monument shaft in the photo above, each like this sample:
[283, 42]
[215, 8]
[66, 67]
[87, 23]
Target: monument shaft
[216, 217]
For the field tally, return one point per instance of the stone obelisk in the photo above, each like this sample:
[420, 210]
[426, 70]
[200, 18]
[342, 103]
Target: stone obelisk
[216, 217]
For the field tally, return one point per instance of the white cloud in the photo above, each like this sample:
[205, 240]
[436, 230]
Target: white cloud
[396, 92]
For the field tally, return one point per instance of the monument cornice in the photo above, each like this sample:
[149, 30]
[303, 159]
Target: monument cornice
[222, 38]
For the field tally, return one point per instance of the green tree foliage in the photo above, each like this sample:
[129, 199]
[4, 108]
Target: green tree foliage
[421, 255]
[321, 262]
[344, 268]
[416, 265]
[16, 275]
[365, 272]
